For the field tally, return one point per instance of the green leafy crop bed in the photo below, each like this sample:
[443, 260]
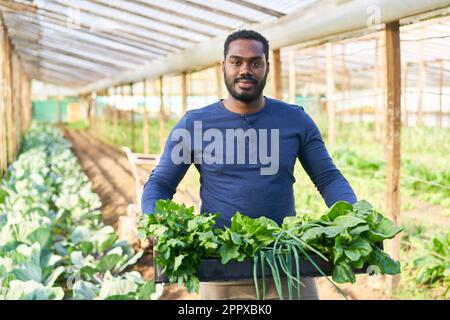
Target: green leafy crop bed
[53, 243]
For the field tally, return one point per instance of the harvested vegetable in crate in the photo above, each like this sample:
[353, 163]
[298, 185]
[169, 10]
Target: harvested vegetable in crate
[348, 237]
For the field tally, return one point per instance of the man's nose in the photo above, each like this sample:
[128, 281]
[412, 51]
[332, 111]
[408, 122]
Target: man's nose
[245, 68]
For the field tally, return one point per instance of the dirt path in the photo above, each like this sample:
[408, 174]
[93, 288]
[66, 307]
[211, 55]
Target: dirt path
[109, 170]
[110, 173]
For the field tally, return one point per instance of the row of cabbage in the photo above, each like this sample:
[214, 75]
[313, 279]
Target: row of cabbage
[53, 243]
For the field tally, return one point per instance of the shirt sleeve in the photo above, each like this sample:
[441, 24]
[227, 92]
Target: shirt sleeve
[164, 179]
[318, 164]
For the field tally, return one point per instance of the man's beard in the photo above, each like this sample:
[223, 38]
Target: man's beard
[246, 97]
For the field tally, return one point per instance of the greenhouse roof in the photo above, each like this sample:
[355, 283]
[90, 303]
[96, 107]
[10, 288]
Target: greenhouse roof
[92, 45]
[78, 42]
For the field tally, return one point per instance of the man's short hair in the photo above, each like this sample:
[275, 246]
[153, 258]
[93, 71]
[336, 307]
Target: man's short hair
[246, 34]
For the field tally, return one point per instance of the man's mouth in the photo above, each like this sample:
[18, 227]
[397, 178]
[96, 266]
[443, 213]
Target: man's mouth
[245, 84]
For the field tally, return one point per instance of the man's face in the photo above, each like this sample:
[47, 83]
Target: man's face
[245, 69]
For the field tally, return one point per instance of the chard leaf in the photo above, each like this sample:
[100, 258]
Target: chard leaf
[329, 232]
[361, 245]
[348, 221]
[386, 264]
[338, 209]
[358, 230]
[353, 255]
[363, 208]
[343, 273]
[178, 261]
[228, 252]
[236, 238]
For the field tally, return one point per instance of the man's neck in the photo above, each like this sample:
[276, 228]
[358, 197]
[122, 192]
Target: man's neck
[241, 107]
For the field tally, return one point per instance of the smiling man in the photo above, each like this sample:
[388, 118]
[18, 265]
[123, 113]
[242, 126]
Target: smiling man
[245, 148]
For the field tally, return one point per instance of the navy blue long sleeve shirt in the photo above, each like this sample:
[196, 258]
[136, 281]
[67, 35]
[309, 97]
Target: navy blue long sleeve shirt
[228, 186]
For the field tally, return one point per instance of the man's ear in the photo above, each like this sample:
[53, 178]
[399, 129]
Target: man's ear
[223, 65]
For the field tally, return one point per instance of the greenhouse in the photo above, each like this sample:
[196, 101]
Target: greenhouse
[94, 93]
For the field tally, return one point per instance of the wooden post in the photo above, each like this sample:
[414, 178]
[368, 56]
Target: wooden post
[422, 79]
[21, 102]
[3, 137]
[101, 115]
[58, 110]
[19, 105]
[345, 114]
[3, 161]
[276, 68]
[110, 114]
[162, 116]
[218, 70]
[405, 94]
[92, 99]
[133, 146]
[292, 77]
[86, 101]
[145, 139]
[12, 103]
[15, 77]
[330, 97]
[316, 92]
[384, 94]
[393, 127]
[28, 103]
[123, 115]
[376, 99]
[441, 84]
[9, 102]
[184, 101]
[116, 115]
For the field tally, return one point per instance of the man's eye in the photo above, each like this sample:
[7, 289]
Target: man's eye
[235, 63]
[256, 64]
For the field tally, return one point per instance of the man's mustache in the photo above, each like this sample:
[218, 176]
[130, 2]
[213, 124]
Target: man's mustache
[251, 79]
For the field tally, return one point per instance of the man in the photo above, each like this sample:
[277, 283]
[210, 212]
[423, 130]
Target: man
[245, 148]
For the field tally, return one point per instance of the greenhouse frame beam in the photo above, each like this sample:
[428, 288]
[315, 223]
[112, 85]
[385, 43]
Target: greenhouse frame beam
[31, 37]
[181, 15]
[35, 60]
[256, 7]
[120, 36]
[153, 18]
[216, 10]
[123, 21]
[33, 29]
[50, 47]
[76, 62]
[57, 68]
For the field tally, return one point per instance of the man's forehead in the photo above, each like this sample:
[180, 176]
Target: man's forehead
[246, 48]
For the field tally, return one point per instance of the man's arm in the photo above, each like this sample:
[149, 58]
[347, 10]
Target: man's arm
[316, 161]
[164, 179]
